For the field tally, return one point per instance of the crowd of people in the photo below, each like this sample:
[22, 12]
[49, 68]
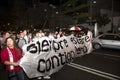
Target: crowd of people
[11, 48]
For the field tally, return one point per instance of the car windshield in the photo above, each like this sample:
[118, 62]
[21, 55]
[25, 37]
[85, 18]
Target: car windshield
[110, 37]
[117, 38]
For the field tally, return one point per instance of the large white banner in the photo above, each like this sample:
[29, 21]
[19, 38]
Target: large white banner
[46, 56]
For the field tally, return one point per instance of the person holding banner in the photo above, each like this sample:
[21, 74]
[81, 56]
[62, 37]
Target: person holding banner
[10, 56]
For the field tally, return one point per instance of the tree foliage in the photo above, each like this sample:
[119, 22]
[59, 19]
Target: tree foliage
[102, 20]
[75, 8]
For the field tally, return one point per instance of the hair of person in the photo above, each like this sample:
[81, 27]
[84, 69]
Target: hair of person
[14, 42]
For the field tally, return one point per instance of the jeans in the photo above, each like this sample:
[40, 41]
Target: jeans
[19, 76]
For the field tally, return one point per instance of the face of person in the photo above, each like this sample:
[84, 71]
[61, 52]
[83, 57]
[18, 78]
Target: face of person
[25, 32]
[10, 43]
[7, 35]
[21, 35]
[37, 34]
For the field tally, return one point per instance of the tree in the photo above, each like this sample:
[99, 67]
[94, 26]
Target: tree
[102, 20]
[77, 9]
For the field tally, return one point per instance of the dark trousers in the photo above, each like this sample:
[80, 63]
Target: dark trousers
[19, 76]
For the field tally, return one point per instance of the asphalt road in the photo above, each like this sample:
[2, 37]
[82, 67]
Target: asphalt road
[102, 64]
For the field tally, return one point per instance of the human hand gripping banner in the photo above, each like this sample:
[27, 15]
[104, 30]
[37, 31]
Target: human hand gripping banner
[46, 56]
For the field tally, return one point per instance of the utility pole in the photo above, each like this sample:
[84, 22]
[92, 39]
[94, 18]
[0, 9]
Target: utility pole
[112, 10]
[91, 3]
[90, 11]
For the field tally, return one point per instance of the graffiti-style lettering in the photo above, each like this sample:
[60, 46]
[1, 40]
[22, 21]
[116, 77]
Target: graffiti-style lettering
[55, 61]
[45, 46]
[41, 64]
[87, 38]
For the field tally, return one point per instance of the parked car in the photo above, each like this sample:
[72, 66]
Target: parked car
[107, 40]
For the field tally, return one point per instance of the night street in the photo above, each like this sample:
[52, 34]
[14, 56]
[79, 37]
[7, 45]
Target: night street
[102, 64]
[54, 40]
